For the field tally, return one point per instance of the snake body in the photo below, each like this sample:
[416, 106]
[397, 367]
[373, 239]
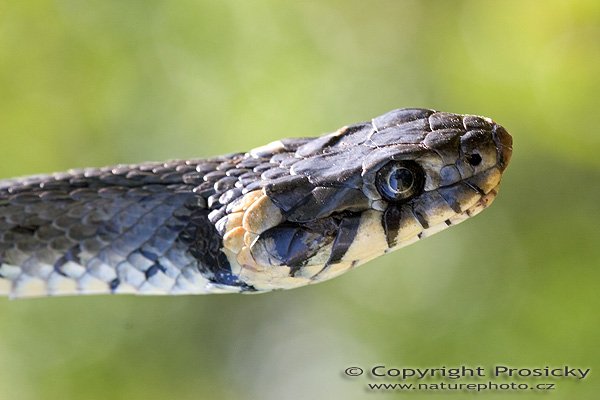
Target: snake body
[291, 213]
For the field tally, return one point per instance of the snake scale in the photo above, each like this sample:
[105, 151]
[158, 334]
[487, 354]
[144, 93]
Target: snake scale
[291, 213]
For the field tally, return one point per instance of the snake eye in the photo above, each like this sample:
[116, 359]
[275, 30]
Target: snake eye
[400, 180]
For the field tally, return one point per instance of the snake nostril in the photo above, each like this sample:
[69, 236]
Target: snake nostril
[474, 159]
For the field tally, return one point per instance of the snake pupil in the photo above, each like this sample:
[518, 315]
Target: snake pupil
[401, 180]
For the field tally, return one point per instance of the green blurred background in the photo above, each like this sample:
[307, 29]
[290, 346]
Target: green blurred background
[102, 82]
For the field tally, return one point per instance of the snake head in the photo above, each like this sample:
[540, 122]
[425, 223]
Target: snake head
[325, 205]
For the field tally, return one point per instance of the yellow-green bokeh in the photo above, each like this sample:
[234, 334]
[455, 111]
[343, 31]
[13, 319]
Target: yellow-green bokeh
[105, 82]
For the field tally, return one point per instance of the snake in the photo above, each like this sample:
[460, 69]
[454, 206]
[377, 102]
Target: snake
[288, 214]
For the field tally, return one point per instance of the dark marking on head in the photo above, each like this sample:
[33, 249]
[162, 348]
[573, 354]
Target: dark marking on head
[450, 199]
[391, 224]
[448, 222]
[346, 234]
[422, 220]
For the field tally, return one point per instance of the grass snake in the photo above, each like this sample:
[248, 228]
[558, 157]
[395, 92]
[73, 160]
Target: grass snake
[291, 213]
